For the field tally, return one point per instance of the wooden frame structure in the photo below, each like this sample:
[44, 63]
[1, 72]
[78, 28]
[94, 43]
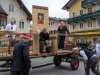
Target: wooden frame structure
[33, 52]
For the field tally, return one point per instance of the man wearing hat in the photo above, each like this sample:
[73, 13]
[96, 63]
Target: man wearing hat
[21, 61]
[90, 60]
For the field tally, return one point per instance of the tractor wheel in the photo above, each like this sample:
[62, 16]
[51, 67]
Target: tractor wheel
[57, 60]
[74, 63]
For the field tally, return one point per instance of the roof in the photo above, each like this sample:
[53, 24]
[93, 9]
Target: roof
[68, 4]
[25, 9]
[2, 11]
[58, 19]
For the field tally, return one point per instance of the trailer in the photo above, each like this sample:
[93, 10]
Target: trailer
[65, 55]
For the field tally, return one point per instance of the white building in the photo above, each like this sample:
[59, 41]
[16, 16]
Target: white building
[16, 10]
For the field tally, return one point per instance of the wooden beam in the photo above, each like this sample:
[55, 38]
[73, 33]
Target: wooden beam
[5, 49]
[40, 7]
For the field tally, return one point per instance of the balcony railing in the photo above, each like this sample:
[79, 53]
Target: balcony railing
[88, 2]
[84, 17]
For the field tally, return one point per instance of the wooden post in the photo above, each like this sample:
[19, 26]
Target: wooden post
[36, 44]
[40, 20]
[74, 40]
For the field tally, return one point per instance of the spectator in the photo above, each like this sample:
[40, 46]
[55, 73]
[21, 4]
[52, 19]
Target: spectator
[12, 38]
[98, 52]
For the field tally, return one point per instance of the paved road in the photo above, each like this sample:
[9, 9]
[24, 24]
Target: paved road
[64, 69]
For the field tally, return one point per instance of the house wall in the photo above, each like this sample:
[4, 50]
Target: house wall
[18, 14]
[75, 8]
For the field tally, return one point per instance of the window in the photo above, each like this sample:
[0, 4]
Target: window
[51, 23]
[11, 8]
[98, 7]
[74, 14]
[98, 23]
[89, 9]
[21, 25]
[89, 24]
[80, 12]
[95, 38]
[73, 26]
[81, 40]
[80, 25]
[5, 21]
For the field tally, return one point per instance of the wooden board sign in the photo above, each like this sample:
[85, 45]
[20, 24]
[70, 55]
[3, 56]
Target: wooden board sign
[40, 18]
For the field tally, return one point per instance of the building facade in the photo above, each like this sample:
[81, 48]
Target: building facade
[54, 23]
[16, 10]
[84, 17]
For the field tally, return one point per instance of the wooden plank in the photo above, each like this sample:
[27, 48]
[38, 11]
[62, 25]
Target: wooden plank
[5, 38]
[47, 54]
[41, 55]
[54, 36]
[5, 49]
[40, 7]
[64, 51]
[3, 33]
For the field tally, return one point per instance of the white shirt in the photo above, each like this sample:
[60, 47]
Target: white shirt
[97, 47]
[10, 27]
[82, 53]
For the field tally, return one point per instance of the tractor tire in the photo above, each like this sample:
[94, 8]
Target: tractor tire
[57, 60]
[74, 64]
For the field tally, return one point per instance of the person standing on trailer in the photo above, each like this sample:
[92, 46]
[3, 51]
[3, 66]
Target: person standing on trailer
[62, 30]
[12, 38]
[90, 60]
[21, 61]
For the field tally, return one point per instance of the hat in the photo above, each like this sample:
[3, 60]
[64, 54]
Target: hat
[26, 35]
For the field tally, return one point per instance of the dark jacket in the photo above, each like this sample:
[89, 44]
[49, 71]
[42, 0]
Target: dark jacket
[62, 29]
[21, 60]
[44, 37]
[88, 53]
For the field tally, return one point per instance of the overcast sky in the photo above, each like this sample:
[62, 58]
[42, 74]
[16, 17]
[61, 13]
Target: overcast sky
[53, 5]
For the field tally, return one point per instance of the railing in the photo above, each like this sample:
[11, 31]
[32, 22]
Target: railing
[85, 16]
[87, 2]
[4, 43]
[33, 43]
